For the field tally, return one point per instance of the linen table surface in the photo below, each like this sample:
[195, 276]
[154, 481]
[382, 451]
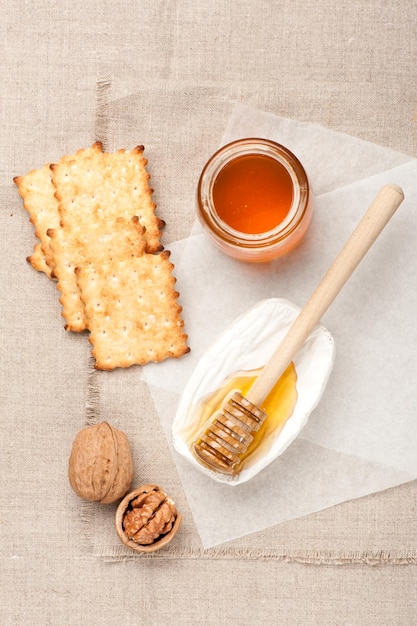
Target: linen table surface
[174, 76]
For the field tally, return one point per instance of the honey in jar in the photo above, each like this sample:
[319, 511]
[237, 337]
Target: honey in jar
[253, 200]
[253, 193]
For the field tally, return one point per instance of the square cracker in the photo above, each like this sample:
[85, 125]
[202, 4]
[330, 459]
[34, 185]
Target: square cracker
[38, 194]
[106, 186]
[93, 192]
[84, 244]
[132, 311]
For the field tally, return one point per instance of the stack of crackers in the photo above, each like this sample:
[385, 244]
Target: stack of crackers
[100, 240]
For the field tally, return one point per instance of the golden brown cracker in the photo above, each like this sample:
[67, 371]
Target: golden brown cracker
[86, 243]
[132, 311]
[38, 261]
[37, 191]
[108, 186]
[38, 194]
[93, 192]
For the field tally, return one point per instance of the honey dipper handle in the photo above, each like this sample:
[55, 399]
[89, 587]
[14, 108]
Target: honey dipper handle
[377, 216]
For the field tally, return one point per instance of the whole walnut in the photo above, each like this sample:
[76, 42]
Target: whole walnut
[100, 466]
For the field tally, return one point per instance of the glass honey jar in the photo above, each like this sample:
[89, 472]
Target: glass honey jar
[254, 200]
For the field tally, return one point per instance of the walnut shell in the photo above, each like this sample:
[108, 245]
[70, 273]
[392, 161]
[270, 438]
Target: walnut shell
[147, 519]
[100, 466]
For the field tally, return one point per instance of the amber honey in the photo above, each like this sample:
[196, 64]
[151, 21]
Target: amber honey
[278, 405]
[253, 193]
[253, 200]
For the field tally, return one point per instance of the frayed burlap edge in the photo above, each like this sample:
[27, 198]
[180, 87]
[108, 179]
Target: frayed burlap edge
[320, 557]
[92, 411]
[103, 93]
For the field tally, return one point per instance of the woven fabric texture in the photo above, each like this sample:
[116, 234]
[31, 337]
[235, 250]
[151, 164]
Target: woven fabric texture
[167, 75]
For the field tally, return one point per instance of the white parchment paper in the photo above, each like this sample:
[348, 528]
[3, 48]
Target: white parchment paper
[362, 436]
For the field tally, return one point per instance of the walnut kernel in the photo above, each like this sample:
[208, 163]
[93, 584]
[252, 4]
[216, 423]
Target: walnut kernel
[147, 519]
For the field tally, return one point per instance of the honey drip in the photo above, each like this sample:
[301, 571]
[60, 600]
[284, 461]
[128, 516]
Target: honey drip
[278, 405]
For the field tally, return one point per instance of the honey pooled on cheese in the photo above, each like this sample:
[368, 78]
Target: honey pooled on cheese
[278, 406]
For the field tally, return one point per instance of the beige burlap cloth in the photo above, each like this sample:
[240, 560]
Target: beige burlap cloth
[372, 529]
[167, 74]
[50, 390]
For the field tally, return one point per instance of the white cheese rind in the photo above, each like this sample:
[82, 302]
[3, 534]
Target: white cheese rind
[246, 345]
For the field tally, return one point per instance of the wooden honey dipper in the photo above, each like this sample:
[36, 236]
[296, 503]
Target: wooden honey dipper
[228, 433]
